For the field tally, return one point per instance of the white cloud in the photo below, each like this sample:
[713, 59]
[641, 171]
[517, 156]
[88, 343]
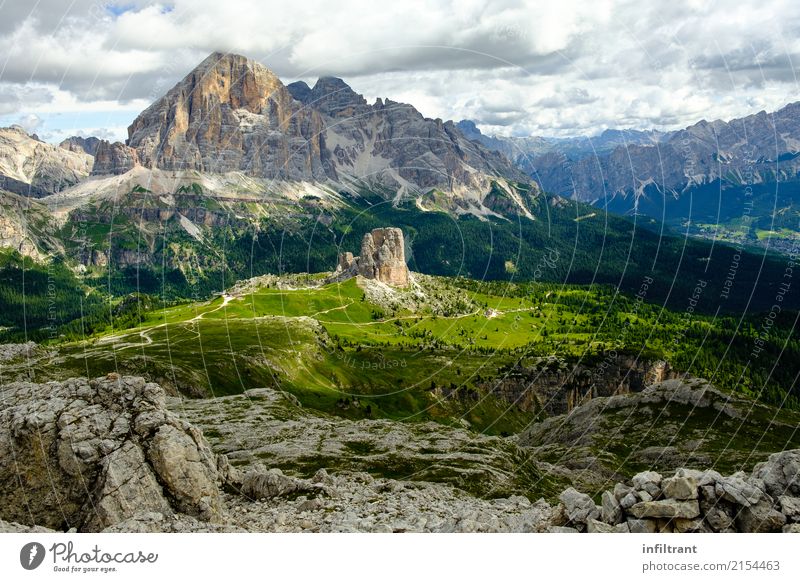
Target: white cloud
[516, 67]
[30, 122]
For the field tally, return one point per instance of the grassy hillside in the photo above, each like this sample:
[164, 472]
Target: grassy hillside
[363, 351]
[145, 246]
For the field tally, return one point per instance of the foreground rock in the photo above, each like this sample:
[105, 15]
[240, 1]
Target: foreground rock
[696, 501]
[92, 453]
[107, 455]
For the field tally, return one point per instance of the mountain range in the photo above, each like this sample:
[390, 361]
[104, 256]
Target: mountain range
[452, 339]
[232, 174]
[702, 179]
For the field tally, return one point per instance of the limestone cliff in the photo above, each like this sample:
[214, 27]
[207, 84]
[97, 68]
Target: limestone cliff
[382, 258]
[92, 453]
[114, 158]
[232, 114]
[33, 168]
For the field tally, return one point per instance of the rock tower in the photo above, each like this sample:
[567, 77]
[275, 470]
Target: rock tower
[382, 258]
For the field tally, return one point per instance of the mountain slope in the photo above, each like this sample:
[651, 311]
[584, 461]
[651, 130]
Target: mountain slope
[392, 145]
[735, 181]
[33, 168]
[755, 149]
[231, 114]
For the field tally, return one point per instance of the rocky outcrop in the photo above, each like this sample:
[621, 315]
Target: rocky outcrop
[232, 114]
[27, 226]
[695, 501]
[92, 453]
[382, 258]
[10, 352]
[553, 386]
[114, 158]
[77, 144]
[44, 167]
[668, 425]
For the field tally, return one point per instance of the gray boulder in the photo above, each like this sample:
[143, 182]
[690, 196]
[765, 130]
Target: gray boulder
[790, 507]
[695, 525]
[594, 526]
[679, 487]
[736, 490]
[642, 525]
[610, 509]
[629, 500]
[579, 507]
[666, 508]
[260, 483]
[621, 490]
[780, 473]
[719, 517]
[759, 518]
[92, 453]
[648, 481]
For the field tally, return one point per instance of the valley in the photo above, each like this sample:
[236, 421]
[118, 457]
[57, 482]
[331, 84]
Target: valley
[299, 297]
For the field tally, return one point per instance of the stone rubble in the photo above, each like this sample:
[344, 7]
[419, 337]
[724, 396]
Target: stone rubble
[696, 501]
[107, 455]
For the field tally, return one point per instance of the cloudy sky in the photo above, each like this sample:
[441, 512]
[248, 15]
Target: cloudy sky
[530, 67]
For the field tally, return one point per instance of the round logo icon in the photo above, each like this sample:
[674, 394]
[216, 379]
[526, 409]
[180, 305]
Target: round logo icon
[31, 555]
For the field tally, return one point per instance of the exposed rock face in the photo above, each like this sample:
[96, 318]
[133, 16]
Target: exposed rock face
[89, 454]
[346, 261]
[46, 168]
[77, 144]
[27, 226]
[579, 507]
[754, 149]
[781, 474]
[556, 387]
[14, 351]
[647, 419]
[393, 145]
[114, 158]
[232, 114]
[382, 258]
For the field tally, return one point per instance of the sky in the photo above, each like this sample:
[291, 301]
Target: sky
[88, 67]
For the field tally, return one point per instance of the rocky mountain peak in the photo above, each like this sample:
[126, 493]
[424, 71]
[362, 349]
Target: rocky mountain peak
[232, 114]
[78, 144]
[33, 168]
[331, 96]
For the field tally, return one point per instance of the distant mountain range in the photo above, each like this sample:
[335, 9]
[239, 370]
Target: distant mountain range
[523, 150]
[704, 178]
[33, 168]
